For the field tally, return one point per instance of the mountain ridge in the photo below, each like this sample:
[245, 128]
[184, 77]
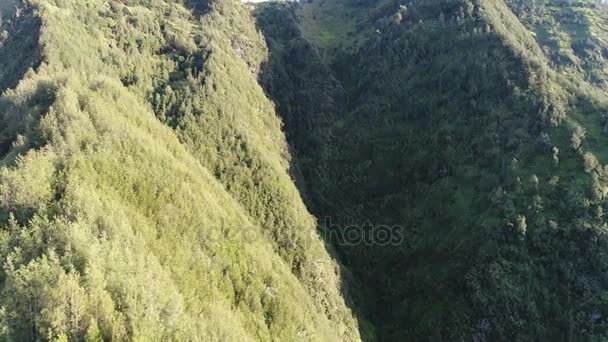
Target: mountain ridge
[161, 163]
[455, 116]
[92, 144]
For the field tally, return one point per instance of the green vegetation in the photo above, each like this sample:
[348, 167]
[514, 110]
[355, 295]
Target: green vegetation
[161, 162]
[452, 122]
[331, 23]
[116, 226]
[19, 49]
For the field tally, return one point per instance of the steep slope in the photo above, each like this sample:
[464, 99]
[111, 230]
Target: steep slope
[460, 130]
[117, 227]
[18, 36]
[148, 191]
[572, 34]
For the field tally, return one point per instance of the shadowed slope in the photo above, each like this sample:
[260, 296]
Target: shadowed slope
[457, 129]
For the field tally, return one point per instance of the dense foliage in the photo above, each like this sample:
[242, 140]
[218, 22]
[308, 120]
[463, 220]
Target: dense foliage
[451, 121]
[144, 183]
[149, 189]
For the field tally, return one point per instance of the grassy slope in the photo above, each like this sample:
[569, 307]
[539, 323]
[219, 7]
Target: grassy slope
[332, 24]
[335, 25]
[116, 229]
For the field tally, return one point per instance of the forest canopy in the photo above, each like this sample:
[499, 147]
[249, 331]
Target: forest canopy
[192, 170]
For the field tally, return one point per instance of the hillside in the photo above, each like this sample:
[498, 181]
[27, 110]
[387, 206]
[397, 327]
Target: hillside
[195, 170]
[458, 123]
[144, 190]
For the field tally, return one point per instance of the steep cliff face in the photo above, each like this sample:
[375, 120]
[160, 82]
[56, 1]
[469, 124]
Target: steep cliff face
[144, 190]
[457, 127]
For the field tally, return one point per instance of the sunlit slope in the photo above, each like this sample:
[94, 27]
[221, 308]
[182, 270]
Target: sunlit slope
[118, 223]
